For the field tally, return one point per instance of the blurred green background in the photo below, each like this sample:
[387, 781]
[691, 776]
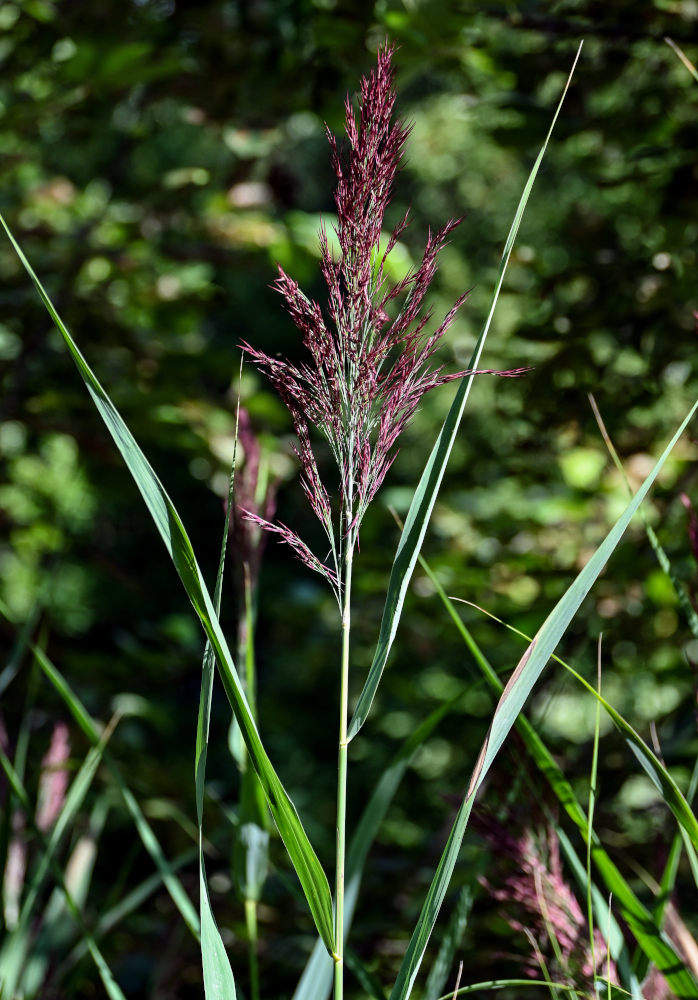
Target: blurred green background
[159, 158]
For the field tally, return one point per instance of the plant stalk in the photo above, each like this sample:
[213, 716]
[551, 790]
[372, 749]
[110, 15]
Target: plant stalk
[342, 778]
[251, 922]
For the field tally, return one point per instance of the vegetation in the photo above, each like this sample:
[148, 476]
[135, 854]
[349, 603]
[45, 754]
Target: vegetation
[160, 162]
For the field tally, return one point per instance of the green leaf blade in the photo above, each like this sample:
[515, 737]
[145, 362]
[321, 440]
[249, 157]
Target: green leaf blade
[312, 877]
[506, 712]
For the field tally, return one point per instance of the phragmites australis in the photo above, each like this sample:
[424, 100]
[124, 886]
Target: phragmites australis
[369, 354]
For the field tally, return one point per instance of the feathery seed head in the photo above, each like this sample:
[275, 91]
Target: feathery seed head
[367, 372]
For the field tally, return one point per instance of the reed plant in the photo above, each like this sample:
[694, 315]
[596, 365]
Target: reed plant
[370, 358]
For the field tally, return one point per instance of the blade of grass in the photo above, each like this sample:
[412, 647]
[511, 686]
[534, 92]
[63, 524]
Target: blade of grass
[651, 764]
[645, 927]
[668, 879]
[508, 708]
[219, 983]
[305, 862]
[455, 930]
[427, 490]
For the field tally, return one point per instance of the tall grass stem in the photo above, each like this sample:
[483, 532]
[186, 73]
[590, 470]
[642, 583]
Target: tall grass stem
[251, 924]
[342, 774]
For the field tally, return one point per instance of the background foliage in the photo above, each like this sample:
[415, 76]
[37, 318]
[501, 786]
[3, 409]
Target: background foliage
[159, 158]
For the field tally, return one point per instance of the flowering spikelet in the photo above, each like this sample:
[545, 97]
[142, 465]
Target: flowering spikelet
[367, 372]
[546, 909]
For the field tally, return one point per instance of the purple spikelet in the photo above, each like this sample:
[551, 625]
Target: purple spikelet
[53, 782]
[537, 901]
[367, 371]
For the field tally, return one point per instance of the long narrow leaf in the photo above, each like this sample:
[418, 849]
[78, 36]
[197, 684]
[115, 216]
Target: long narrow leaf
[668, 879]
[219, 983]
[645, 925]
[650, 762]
[167, 520]
[508, 708]
[443, 963]
[428, 487]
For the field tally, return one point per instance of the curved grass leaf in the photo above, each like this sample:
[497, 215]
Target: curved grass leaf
[507, 984]
[418, 516]
[305, 862]
[508, 708]
[443, 963]
[645, 925]
[651, 764]
[668, 879]
[219, 983]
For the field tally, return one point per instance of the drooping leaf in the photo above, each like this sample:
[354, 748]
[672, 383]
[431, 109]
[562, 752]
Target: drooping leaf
[305, 862]
[644, 925]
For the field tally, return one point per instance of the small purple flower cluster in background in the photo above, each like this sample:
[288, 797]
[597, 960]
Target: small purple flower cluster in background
[255, 501]
[367, 371]
[539, 903]
[53, 783]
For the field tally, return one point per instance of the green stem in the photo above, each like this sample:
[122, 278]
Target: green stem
[342, 779]
[251, 922]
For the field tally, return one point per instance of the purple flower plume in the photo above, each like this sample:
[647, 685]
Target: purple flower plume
[538, 902]
[367, 370]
